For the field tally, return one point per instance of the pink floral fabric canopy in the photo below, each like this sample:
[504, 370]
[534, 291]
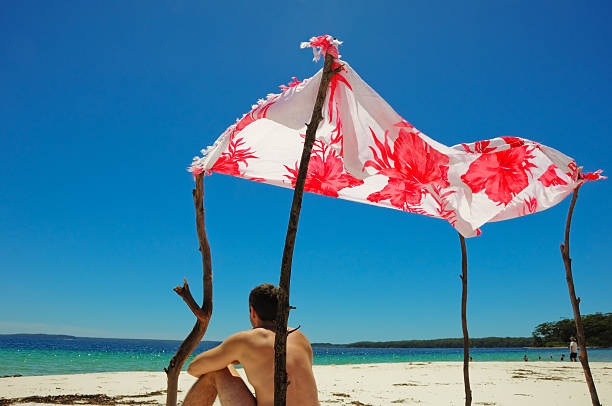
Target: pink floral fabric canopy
[366, 152]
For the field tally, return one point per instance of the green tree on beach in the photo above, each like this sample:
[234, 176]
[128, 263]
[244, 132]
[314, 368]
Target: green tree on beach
[597, 331]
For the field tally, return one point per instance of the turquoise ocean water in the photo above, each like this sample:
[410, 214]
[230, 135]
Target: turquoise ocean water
[23, 355]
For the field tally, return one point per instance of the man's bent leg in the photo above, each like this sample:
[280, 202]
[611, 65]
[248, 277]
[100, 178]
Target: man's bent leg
[202, 393]
[226, 383]
[232, 389]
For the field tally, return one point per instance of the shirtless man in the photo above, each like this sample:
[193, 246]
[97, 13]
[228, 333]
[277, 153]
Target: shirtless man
[254, 350]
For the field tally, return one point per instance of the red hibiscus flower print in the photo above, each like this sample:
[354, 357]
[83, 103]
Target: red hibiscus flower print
[481, 147]
[333, 86]
[502, 175]
[530, 205]
[236, 153]
[445, 210]
[291, 84]
[412, 167]
[404, 124]
[593, 176]
[513, 141]
[550, 177]
[326, 174]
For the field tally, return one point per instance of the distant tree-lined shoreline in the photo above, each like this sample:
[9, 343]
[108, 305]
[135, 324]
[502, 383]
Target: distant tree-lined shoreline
[597, 329]
[486, 342]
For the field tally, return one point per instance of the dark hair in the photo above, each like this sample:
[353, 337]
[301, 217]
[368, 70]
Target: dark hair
[264, 299]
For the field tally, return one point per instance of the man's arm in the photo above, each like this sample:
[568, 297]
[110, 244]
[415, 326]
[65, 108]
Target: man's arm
[219, 357]
[305, 343]
[309, 350]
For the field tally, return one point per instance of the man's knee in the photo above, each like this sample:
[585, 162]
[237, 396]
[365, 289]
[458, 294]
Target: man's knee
[213, 377]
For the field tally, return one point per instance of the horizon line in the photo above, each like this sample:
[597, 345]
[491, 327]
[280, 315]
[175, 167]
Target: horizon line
[219, 341]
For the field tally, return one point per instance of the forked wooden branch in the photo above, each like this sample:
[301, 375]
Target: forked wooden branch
[185, 293]
[466, 338]
[282, 314]
[202, 313]
[567, 261]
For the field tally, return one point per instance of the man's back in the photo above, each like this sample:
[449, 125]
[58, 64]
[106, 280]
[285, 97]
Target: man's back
[254, 349]
[257, 358]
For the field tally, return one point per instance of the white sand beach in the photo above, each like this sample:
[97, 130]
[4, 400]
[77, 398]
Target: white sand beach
[436, 383]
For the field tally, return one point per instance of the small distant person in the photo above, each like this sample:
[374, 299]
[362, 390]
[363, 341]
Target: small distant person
[562, 357]
[539, 358]
[573, 347]
[471, 358]
[525, 358]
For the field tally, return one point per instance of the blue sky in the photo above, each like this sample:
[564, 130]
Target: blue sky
[103, 106]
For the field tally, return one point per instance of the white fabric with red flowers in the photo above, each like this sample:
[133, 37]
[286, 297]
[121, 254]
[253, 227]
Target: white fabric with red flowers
[366, 152]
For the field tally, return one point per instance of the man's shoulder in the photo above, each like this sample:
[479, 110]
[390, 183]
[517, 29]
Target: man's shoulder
[241, 334]
[259, 333]
[239, 337]
[298, 336]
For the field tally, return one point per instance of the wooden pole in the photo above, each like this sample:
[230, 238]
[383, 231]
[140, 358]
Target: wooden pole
[202, 313]
[282, 314]
[466, 339]
[584, 360]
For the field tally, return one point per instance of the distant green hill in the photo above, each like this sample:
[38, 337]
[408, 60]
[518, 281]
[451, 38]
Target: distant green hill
[597, 329]
[40, 336]
[486, 342]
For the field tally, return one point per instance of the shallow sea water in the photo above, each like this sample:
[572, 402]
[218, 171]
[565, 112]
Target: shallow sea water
[46, 356]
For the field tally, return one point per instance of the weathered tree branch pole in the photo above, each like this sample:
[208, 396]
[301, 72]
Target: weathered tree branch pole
[202, 313]
[466, 339]
[565, 249]
[282, 314]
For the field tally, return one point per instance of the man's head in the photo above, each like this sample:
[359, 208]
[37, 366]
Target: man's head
[263, 301]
